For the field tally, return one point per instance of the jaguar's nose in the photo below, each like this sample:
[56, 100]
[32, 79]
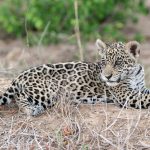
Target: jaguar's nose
[108, 76]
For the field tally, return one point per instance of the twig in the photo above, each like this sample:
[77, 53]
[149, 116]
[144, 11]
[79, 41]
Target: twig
[77, 29]
[10, 131]
[125, 104]
[43, 34]
[3, 121]
[129, 135]
[105, 139]
[35, 138]
[27, 36]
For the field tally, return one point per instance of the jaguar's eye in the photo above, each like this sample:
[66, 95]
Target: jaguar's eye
[118, 62]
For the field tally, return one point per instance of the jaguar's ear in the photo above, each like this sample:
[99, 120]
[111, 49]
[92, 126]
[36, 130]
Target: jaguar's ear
[133, 47]
[101, 46]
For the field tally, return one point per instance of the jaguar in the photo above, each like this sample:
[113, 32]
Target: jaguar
[117, 77]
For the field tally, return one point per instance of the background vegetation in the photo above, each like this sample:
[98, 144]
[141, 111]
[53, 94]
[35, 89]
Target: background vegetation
[106, 18]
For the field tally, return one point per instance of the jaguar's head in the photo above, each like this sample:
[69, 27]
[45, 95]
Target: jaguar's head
[117, 60]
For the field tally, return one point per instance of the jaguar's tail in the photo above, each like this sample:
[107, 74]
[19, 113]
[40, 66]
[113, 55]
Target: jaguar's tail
[7, 97]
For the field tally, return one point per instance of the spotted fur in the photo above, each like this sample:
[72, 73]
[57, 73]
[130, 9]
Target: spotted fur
[117, 77]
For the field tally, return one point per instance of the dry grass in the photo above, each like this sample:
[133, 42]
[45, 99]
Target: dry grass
[65, 126]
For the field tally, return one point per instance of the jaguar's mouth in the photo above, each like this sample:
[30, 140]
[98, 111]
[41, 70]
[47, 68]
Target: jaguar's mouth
[112, 83]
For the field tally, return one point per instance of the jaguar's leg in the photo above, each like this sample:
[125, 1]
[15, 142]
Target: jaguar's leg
[94, 99]
[29, 105]
[132, 98]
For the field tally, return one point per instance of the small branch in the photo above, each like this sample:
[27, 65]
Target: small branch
[77, 30]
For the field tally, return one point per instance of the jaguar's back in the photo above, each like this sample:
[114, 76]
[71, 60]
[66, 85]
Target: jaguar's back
[40, 87]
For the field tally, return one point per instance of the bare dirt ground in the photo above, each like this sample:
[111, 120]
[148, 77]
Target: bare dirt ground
[86, 127]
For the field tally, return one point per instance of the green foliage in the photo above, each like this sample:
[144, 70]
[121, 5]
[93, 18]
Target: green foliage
[96, 17]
